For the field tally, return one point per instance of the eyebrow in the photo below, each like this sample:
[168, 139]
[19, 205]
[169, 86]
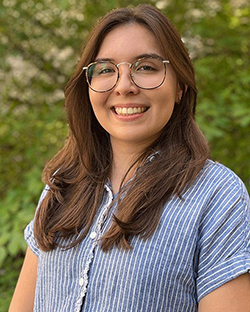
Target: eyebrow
[149, 55]
[104, 60]
[137, 57]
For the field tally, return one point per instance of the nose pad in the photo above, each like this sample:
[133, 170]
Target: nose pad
[125, 78]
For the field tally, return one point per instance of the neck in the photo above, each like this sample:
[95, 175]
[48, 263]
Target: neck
[124, 156]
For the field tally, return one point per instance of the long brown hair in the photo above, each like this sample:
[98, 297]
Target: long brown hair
[84, 163]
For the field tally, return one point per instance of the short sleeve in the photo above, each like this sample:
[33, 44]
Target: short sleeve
[29, 230]
[224, 246]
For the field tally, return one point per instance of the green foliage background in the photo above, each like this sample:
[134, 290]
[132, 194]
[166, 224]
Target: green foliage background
[40, 42]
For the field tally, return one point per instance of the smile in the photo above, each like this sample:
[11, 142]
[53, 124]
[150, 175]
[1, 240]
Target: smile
[126, 111]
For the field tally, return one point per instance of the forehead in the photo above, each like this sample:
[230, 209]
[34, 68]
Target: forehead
[126, 42]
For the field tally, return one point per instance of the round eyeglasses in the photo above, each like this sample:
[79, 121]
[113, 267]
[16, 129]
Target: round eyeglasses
[146, 73]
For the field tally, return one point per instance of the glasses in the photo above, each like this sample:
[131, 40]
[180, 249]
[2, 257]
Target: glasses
[146, 73]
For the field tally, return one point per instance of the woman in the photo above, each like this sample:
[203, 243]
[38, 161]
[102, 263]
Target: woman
[134, 216]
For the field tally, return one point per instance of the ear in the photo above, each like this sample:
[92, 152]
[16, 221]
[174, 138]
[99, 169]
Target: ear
[178, 95]
[181, 88]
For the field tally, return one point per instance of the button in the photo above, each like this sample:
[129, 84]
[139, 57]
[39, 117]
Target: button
[93, 235]
[81, 281]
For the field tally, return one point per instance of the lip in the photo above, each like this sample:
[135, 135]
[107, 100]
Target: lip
[129, 105]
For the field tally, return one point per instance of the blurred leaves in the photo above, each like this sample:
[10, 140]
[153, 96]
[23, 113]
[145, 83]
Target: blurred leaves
[40, 43]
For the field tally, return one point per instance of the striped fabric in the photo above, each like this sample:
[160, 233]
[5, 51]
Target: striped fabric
[201, 242]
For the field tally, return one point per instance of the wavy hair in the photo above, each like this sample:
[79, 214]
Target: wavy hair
[84, 163]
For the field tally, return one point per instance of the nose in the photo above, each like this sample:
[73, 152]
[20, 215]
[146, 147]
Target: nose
[125, 85]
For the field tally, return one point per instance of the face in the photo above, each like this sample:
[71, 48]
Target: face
[129, 114]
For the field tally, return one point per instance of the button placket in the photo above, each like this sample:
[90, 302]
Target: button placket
[94, 235]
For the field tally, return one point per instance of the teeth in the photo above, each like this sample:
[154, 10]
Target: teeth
[129, 110]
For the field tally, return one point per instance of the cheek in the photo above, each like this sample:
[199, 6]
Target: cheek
[97, 101]
[165, 106]
[166, 99]
[98, 104]
[93, 97]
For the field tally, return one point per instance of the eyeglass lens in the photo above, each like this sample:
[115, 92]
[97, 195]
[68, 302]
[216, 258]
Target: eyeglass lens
[146, 73]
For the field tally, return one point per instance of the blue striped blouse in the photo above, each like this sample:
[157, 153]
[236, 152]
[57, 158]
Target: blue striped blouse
[200, 243]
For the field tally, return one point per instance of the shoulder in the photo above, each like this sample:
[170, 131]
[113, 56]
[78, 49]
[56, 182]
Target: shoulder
[216, 178]
[217, 191]
[223, 251]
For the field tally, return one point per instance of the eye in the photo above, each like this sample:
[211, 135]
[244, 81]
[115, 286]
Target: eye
[145, 68]
[104, 69]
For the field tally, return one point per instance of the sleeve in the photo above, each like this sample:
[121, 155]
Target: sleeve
[29, 230]
[224, 246]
